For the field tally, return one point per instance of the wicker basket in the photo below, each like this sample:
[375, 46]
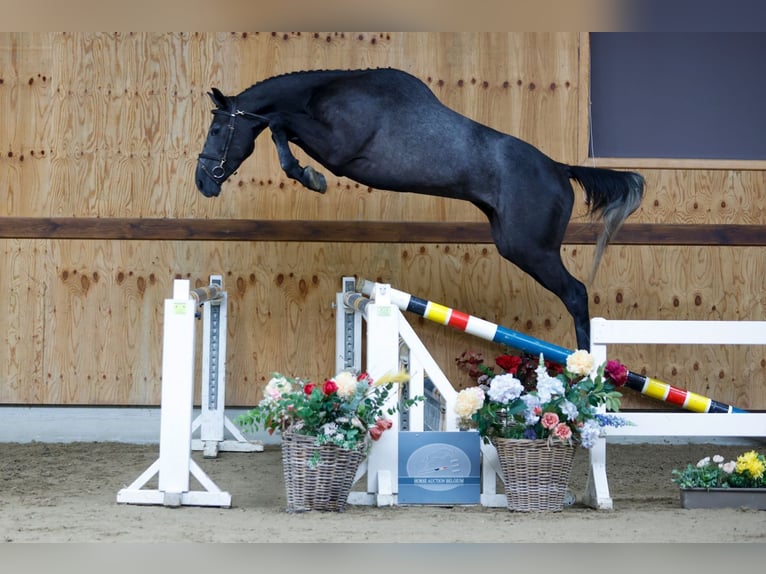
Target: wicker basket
[321, 486]
[535, 473]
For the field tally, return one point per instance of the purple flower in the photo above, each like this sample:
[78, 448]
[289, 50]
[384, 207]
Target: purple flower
[529, 433]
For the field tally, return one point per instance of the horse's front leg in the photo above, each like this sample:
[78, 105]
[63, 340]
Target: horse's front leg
[308, 176]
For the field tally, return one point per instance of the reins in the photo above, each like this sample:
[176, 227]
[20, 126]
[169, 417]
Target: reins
[218, 173]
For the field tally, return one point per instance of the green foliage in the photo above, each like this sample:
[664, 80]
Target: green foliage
[347, 410]
[562, 404]
[747, 471]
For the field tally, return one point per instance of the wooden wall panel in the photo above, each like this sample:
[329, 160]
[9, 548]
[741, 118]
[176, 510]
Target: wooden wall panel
[22, 344]
[138, 103]
[100, 315]
[109, 125]
[25, 103]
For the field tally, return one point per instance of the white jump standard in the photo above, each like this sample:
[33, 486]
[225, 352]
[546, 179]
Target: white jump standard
[212, 422]
[175, 464]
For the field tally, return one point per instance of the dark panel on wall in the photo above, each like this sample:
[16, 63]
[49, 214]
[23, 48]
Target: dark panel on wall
[684, 96]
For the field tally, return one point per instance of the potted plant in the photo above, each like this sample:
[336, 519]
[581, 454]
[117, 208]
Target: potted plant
[714, 482]
[537, 424]
[326, 429]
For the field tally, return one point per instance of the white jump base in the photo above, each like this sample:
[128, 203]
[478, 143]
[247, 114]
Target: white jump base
[175, 465]
[386, 324]
[669, 425]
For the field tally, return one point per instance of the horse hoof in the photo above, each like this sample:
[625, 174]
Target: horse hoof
[316, 180]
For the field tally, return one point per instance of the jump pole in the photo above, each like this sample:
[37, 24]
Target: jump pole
[212, 421]
[472, 325]
[175, 464]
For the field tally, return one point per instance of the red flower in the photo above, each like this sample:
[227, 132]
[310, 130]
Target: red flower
[384, 424]
[308, 389]
[617, 372]
[509, 363]
[554, 369]
[329, 387]
[375, 433]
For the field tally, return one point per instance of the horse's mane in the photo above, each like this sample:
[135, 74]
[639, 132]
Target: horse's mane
[318, 71]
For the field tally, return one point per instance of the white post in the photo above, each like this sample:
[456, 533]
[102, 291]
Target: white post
[212, 421]
[383, 358]
[348, 331]
[213, 371]
[597, 487]
[175, 463]
[663, 424]
[177, 394]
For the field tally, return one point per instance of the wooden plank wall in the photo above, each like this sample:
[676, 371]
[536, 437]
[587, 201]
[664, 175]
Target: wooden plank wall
[102, 125]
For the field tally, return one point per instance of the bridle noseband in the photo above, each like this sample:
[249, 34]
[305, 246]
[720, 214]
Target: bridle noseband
[218, 172]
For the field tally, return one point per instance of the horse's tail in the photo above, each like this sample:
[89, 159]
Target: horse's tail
[612, 196]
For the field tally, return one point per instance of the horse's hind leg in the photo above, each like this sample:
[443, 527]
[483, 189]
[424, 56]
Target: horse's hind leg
[540, 257]
[550, 272]
[307, 175]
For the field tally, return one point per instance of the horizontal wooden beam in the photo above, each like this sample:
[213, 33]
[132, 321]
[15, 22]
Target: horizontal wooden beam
[156, 229]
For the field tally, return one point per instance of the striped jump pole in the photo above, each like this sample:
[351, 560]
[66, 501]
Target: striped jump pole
[437, 313]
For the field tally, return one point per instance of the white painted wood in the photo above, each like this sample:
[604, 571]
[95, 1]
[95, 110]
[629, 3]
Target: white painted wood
[386, 328]
[664, 332]
[386, 488]
[174, 465]
[669, 425]
[490, 471]
[348, 353]
[177, 393]
[437, 376]
[212, 421]
[383, 359]
[416, 387]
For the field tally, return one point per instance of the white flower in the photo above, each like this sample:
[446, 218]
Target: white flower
[329, 429]
[505, 388]
[580, 362]
[729, 467]
[718, 459]
[468, 401]
[277, 386]
[569, 409]
[549, 386]
[532, 402]
[541, 371]
[703, 462]
[347, 384]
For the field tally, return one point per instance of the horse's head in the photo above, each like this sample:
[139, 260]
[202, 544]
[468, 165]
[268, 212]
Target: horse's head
[230, 140]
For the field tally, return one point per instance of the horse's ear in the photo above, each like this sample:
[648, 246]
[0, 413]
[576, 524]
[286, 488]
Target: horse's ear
[218, 98]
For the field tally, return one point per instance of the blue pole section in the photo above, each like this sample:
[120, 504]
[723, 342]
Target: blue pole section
[647, 386]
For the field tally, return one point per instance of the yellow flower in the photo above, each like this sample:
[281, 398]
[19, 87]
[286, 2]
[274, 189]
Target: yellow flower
[580, 362]
[749, 462]
[400, 377]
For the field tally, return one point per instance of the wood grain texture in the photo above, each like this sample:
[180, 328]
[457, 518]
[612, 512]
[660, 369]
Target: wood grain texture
[95, 337]
[99, 134]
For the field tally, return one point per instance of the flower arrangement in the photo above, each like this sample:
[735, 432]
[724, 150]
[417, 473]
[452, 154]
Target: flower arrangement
[347, 410]
[747, 471]
[560, 404]
[524, 367]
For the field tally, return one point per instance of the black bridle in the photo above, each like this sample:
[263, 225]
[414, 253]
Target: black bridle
[218, 172]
